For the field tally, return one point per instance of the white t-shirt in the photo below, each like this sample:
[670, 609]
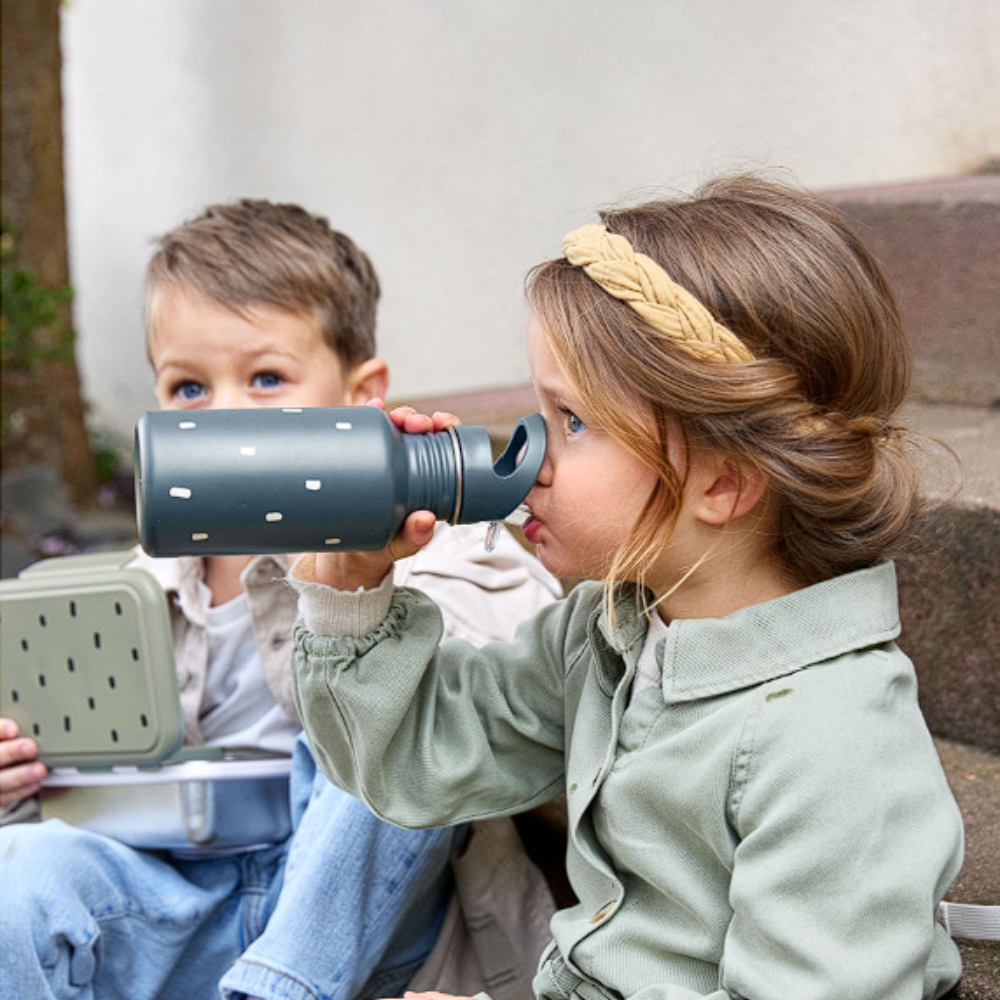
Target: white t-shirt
[647, 672]
[238, 708]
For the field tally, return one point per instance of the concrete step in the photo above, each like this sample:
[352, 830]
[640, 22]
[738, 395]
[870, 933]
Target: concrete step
[973, 433]
[949, 580]
[974, 777]
[939, 242]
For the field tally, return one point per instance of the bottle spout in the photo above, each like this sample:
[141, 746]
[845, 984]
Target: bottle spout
[492, 490]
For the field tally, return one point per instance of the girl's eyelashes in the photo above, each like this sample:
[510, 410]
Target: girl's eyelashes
[573, 424]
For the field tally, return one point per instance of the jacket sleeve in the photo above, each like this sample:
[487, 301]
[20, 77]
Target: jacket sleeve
[431, 736]
[483, 595]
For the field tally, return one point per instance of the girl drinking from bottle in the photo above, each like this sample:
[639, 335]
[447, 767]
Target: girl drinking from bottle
[756, 809]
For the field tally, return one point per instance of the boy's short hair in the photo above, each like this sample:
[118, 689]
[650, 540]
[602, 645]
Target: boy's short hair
[258, 253]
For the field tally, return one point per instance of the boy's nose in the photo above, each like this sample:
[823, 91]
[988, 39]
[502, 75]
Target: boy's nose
[228, 398]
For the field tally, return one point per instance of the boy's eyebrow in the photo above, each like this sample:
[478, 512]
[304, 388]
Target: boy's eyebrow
[160, 361]
[244, 355]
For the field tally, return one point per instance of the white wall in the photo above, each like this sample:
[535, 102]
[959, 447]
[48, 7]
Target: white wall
[457, 140]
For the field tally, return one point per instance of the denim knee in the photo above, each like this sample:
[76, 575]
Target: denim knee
[49, 935]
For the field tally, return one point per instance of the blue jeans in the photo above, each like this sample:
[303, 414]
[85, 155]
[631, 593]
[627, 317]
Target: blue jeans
[348, 906]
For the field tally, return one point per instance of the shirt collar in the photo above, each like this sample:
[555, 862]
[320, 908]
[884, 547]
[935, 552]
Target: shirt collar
[708, 656]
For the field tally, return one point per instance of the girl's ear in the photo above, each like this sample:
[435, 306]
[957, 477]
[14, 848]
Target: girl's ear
[367, 380]
[727, 489]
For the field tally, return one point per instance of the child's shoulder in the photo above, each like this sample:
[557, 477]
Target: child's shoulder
[174, 574]
[854, 674]
[856, 706]
[167, 571]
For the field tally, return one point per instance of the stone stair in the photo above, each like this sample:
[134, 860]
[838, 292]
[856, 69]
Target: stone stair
[949, 587]
[939, 242]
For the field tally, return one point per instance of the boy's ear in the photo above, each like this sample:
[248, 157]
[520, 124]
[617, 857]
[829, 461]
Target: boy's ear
[727, 490]
[367, 380]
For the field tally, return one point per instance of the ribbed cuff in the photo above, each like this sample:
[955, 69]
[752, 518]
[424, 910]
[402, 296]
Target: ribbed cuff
[326, 611]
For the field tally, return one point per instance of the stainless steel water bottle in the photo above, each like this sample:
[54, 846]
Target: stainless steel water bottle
[238, 482]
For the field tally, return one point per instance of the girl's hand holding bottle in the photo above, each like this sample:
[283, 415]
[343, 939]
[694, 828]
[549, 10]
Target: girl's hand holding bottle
[350, 571]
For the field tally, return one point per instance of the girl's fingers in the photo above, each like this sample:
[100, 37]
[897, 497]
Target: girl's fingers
[408, 420]
[416, 533]
[443, 420]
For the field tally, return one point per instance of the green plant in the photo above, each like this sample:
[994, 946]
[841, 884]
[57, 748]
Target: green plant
[108, 450]
[28, 309]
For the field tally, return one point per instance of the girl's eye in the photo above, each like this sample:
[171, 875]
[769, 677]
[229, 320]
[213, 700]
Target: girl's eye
[573, 423]
[268, 380]
[189, 391]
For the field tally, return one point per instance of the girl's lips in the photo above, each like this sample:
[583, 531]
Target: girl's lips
[531, 528]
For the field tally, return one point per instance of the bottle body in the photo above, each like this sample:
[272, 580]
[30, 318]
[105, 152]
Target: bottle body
[236, 482]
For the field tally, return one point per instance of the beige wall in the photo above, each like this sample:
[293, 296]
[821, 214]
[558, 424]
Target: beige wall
[457, 140]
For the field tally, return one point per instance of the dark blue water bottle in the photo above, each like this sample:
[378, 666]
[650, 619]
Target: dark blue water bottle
[237, 482]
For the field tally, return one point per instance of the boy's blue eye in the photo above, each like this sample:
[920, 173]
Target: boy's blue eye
[189, 391]
[268, 380]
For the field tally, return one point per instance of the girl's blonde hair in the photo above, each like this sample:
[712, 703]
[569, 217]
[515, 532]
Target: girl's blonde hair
[812, 409]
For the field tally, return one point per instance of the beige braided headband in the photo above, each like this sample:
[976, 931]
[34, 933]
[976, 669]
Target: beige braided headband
[640, 282]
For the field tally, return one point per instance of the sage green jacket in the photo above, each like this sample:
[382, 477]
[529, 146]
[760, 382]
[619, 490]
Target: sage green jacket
[771, 823]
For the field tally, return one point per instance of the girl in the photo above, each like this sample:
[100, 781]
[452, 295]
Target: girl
[755, 805]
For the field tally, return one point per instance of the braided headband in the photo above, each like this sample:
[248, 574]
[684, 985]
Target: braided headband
[640, 282]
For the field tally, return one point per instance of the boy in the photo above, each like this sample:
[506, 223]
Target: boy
[253, 304]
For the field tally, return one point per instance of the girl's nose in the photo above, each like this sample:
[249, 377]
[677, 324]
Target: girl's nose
[544, 477]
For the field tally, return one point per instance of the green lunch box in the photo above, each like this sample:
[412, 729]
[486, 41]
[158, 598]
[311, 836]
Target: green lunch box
[87, 670]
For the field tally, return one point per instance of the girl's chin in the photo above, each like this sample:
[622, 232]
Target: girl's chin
[544, 555]
[556, 562]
